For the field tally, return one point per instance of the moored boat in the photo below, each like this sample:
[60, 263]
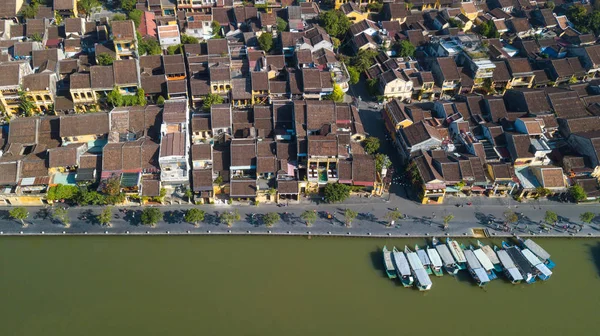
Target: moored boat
[477, 272]
[402, 268]
[520, 262]
[510, 269]
[424, 259]
[485, 262]
[538, 251]
[450, 264]
[388, 264]
[422, 280]
[541, 271]
[457, 253]
[491, 254]
[436, 261]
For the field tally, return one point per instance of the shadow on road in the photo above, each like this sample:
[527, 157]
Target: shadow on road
[173, 217]
[133, 217]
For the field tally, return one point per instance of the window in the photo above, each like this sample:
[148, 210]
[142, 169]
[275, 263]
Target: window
[47, 97]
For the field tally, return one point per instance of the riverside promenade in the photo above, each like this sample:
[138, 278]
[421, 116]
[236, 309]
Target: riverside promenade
[420, 221]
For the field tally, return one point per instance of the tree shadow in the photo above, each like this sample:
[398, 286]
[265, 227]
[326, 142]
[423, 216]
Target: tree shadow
[254, 219]
[595, 252]
[562, 219]
[133, 217]
[42, 214]
[173, 216]
[211, 219]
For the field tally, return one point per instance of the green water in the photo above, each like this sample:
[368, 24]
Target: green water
[273, 286]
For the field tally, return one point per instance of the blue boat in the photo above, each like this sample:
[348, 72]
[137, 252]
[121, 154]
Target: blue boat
[538, 251]
[388, 264]
[540, 269]
[520, 262]
[485, 262]
[477, 272]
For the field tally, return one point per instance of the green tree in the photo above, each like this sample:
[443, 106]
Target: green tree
[36, 37]
[118, 17]
[336, 192]
[511, 216]
[550, 5]
[382, 161]
[354, 75]
[447, 219]
[112, 186]
[488, 29]
[20, 214]
[62, 215]
[393, 216]
[309, 217]
[542, 192]
[577, 193]
[265, 41]
[219, 180]
[335, 23]
[375, 7]
[281, 24]
[337, 95]
[194, 216]
[373, 86]
[271, 218]
[160, 101]
[105, 216]
[587, 217]
[25, 104]
[174, 49]
[336, 42]
[349, 216]
[404, 49]
[364, 59]
[140, 96]
[86, 6]
[189, 194]
[148, 46]
[151, 216]
[62, 192]
[215, 26]
[128, 5]
[187, 39]
[371, 145]
[89, 197]
[550, 217]
[211, 99]
[230, 217]
[114, 97]
[456, 23]
[135, 16]
[105, 59]
[30, 11]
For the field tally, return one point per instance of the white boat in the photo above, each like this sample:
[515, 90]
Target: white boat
[422, 279]
[424, 259]
[436, 261]
[539, 252]
[485, 263]
[457, 252]
[449, 263]
[474, 267]
[510, 269]
[542, 271]
[402, 268]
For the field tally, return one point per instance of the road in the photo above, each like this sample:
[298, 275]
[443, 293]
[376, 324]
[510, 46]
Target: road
[420, 221]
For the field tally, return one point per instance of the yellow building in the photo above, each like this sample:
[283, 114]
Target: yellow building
[40, 89]
[12, 78]
[124, 38]
[66, 8]
[260, 87]
[84, 98]
[469, 10]
[353, 12]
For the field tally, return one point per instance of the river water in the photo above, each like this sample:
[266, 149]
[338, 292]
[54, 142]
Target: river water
[274, 286]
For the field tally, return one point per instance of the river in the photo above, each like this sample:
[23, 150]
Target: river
[274, 286]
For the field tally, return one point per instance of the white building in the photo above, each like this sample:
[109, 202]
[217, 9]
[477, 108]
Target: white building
[174, 143]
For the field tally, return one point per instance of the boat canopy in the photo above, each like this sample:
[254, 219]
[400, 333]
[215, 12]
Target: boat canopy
[424, 258]
[387, 257]
[481, 275]
[484, 260]
[422, 278]
[436, 261]
[489, 252]
[522, 263]
[536, 249]
[445, 254]
[544, 269]
[401, 264]
[414, 261]
[457, 252]
[472, 261]
[514, 274]
[505, 259]
[533, 260]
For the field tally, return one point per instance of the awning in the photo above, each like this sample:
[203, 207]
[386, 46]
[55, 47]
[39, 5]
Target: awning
[85, 174]
[452, 189]
[477, 188]
[130, 179]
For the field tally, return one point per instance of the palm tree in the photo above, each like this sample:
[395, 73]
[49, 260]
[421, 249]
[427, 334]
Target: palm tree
[349, 216]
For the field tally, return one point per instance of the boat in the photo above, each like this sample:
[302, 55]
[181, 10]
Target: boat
[450, 264]
[402, 268]
[422, 280]
[475, 269]
[485, 262]
[388, 264]
[510, 269]
[491, 254]
[541, 271]
[424, 259]
[520, 262]
[436, 261]
[457, 253]
[538, 251]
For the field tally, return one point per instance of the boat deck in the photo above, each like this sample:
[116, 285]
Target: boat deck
[536, 249]
[401, 264]
[484, 260]
[445, 254]
[436, 261]
[472, 261]
[489, 252]
[387, 257]
[424, 257]
[456, 251]
[519, 260]
[414, 261]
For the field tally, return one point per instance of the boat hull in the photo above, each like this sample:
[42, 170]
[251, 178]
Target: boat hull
[452, 270]
[438, 272]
